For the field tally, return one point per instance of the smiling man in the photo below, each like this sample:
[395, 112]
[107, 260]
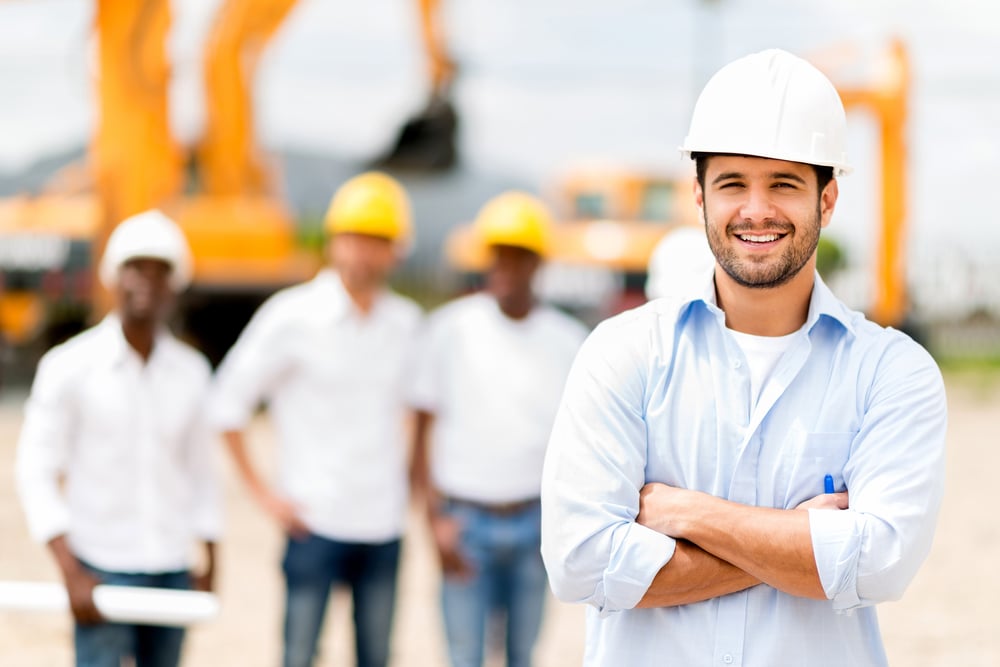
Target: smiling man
[737, 475]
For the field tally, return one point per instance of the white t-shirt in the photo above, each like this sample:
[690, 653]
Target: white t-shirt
[333, 380]
[493, 385]
[762, 353]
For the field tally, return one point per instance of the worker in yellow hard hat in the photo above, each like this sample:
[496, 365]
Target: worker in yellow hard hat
[741, 470]
[327, 358]
[489, 373]
[115, 465]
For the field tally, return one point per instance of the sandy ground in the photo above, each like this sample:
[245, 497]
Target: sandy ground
[946, 619]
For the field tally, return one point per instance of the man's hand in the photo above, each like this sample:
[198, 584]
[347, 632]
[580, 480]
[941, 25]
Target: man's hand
[447, 532]
[825, 501]
[79, 583]
[80, 589]
[205, 580]
[285, 512]
[661, 507]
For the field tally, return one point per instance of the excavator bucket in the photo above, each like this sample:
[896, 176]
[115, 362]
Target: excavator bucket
[426, 141]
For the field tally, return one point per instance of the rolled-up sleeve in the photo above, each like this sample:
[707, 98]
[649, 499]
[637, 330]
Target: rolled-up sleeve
[43, 451]
[593, 549]
[895, 476]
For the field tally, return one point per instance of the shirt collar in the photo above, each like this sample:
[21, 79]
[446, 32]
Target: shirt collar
[822, 302]
[340, 305]
[117, 349]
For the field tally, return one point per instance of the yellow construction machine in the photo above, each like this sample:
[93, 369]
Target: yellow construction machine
[611, 219]
[221, 191]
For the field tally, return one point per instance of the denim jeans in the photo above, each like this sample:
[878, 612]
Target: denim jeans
[108, 644]
[508, 577]
[312, 565]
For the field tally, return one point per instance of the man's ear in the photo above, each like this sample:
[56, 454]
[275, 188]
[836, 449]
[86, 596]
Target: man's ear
[828, 201]
[699, 195]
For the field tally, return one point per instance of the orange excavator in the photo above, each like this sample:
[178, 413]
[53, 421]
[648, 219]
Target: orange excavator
[221, 191]
[613, 218]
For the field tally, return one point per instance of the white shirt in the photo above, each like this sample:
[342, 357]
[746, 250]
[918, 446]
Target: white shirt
[662, 394]
[141, 482]
[333, 381]
[493, 385]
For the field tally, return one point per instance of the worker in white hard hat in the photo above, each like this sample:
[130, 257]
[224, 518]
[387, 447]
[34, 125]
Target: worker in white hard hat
[329, 360]
[738, 474]
[681, 256]
[116, 465]
[488, 379]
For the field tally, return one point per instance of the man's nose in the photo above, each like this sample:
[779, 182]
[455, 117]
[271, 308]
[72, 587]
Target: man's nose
[758, 205]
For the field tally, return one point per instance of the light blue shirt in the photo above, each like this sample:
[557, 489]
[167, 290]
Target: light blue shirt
[662, 394]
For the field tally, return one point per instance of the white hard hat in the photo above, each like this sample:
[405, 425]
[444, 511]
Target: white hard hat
[147, 235]
[680, 262]
[771, 104]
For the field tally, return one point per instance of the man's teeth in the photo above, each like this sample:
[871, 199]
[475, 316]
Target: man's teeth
[765, 238]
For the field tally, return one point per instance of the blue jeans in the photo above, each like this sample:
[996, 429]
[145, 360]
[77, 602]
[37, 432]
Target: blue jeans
[108, 644]
[311, 567]
[508, 577]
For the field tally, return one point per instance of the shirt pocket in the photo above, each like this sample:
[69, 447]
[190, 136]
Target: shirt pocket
[807, 458]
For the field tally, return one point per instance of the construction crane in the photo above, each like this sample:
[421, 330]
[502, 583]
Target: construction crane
[222, 191]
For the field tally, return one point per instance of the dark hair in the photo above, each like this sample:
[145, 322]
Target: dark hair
[823, 174]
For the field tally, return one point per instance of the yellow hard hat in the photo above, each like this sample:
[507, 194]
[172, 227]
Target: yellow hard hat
[372, 203]
[515, 219]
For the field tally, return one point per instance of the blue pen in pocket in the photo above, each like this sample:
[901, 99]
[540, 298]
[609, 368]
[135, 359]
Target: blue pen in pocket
[828, 484]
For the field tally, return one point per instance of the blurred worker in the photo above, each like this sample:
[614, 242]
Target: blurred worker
[681, 257]
[486, 390]
[115, 463]
[329, 359]
[706, 444]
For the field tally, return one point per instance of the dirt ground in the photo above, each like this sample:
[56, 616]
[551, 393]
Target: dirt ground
[946, 619]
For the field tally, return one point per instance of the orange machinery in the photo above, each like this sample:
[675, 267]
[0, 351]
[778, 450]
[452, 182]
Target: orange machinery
[222, 191]
[612, 219]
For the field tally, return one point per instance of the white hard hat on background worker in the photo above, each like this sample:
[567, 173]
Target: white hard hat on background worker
[682, 256]
[771, 104]
[152, 235]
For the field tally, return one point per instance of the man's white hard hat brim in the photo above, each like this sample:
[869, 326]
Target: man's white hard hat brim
[148, 235]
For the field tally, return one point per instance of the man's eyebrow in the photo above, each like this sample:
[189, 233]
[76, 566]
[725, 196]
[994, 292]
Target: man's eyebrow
[788, 176]
[725, 176]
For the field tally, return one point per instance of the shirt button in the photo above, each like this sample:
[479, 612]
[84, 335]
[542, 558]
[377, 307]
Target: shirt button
[728, 658]
[737, 364]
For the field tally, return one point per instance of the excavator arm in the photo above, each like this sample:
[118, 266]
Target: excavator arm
[229, 162]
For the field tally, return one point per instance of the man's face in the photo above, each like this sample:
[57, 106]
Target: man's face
[143, 292]
[763, 217]
[511, 271]
[363, 261]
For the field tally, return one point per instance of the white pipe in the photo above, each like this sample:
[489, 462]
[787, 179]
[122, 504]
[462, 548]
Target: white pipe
[122, 604]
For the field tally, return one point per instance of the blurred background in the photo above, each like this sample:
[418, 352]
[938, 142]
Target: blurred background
[241, 117]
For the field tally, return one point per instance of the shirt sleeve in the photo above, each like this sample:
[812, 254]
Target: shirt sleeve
[250, 370]
[593, 549]
[43, 451]
[204, 468]
[895, 476]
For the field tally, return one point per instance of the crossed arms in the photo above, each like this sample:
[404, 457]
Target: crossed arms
[724, 547]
